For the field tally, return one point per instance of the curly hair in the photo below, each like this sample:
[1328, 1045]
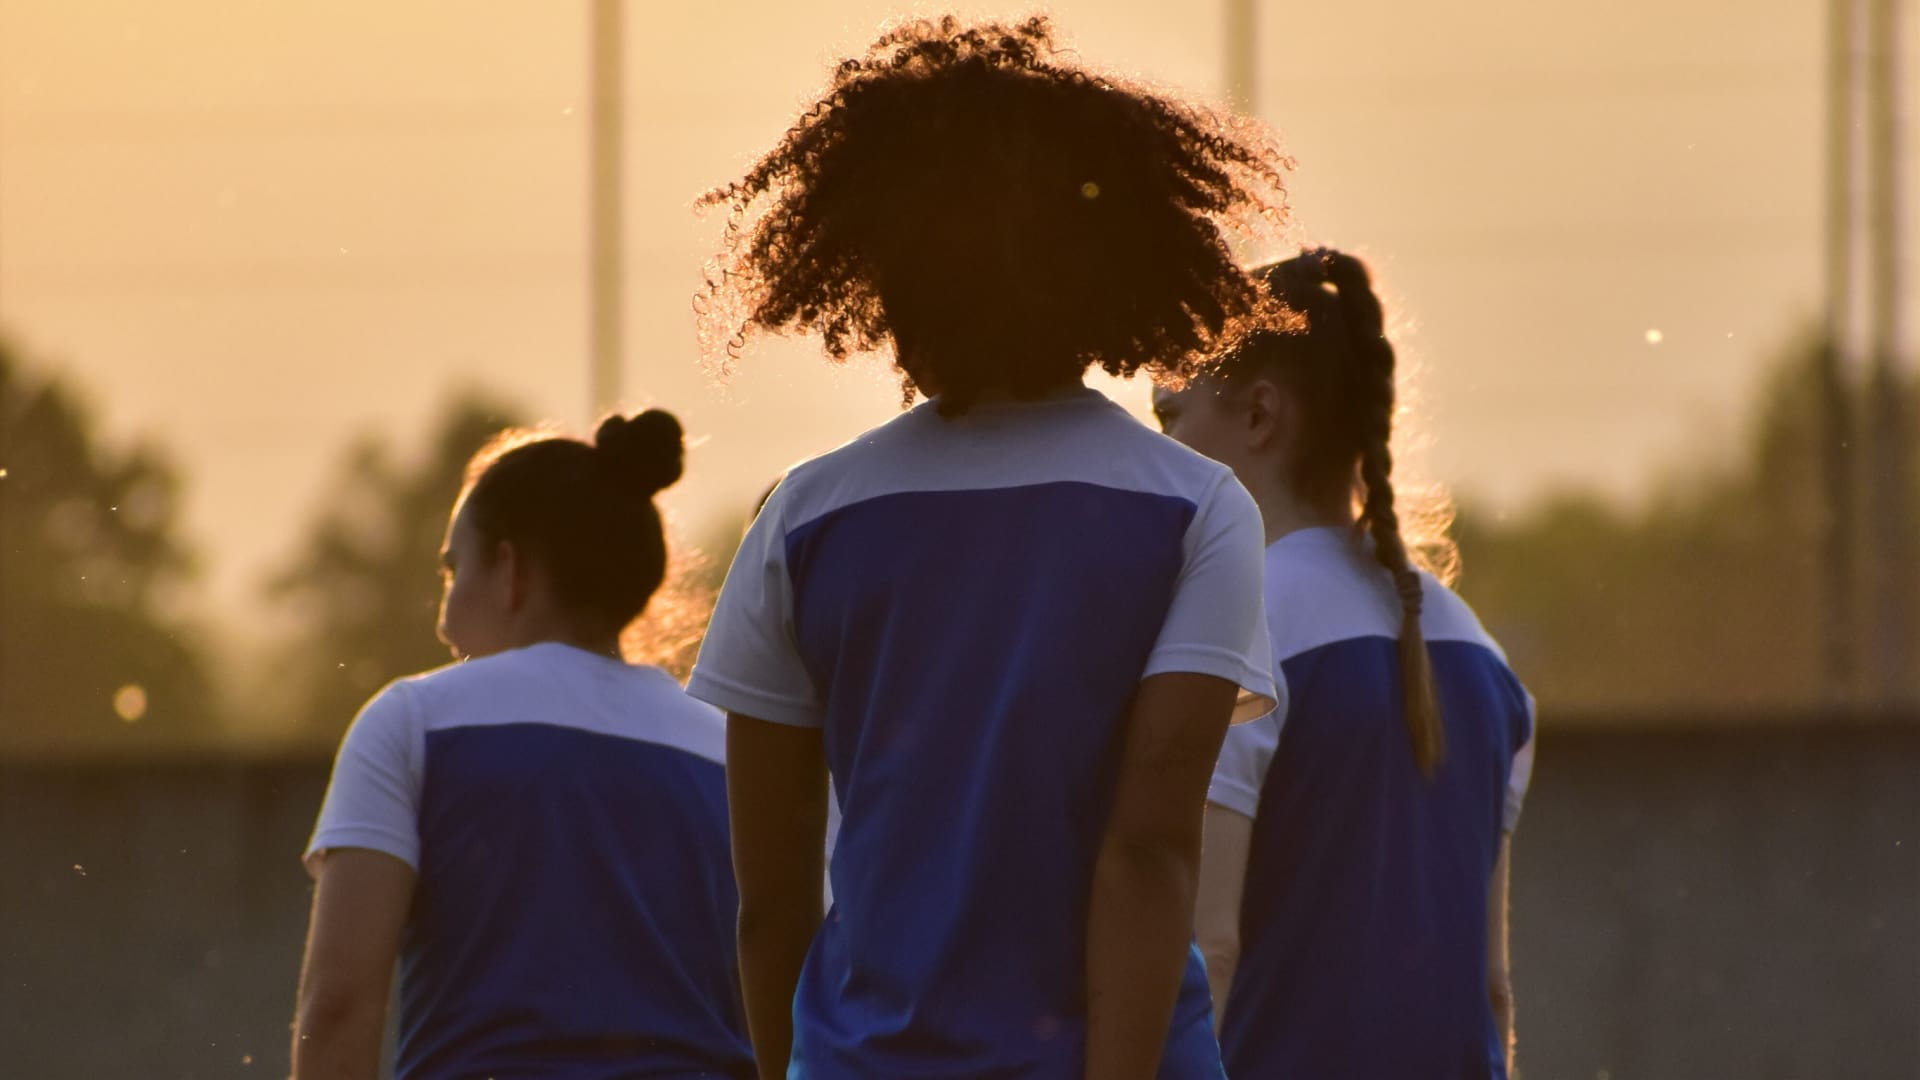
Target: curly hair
[1003, 217]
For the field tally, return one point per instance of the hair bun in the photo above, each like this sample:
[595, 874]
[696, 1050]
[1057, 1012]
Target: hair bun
[649, 449]
[1344, 272]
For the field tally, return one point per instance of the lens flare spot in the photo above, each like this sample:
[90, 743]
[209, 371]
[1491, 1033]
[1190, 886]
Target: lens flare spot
[1089, 190]
[130, 703]
[1655, 337]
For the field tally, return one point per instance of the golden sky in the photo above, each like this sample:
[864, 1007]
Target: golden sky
[253, 231]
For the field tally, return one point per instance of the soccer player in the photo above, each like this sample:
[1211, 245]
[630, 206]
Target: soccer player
[1353, 901]
[1013, 623]
[539, 833]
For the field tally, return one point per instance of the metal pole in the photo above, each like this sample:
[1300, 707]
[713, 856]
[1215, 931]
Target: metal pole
[1891, 642]
[1243, 55]
[1837, 556]
[605, 217]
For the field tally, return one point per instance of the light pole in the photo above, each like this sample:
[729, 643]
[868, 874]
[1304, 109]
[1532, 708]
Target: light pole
[1890, 641]
[1837, 667]
[606, 222]
[1243, 55]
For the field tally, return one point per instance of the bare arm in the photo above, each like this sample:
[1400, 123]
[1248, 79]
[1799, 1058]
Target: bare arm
[359, 910]
[777, 796]
[1499, 974]
[1140, 919]
[1228, 837]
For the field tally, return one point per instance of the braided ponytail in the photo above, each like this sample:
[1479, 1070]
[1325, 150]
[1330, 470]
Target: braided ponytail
[1373, 402]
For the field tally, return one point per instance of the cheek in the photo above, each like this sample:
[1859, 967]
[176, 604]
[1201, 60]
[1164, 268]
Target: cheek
[458, 615]
[447, 611]
[1202, 432]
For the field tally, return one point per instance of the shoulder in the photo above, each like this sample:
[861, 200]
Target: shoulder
[839, 476]
[1445, 616]
[467, 682]
[1322, 587]
[672, 718]
[1128, 453]
[1088, 439]
[402, 702]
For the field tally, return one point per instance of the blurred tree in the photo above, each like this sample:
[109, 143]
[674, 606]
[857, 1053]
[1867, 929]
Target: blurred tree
[1708, 598]
[90, 661]
[363, 589]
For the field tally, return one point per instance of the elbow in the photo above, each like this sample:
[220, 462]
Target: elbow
[776, 919]
[1134, 860]
[1500, 992]
[326, 1011]
[1222, 958]
[1220, 949]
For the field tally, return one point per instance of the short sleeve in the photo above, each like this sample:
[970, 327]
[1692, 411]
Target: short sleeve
[1521, 773]
[750, 661]
[1217, 622]
[373, 800]
[1244, 759]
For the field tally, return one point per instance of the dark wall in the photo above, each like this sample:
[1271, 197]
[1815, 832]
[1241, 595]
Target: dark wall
[151, 919]
[1738, 904]
[1692, 905]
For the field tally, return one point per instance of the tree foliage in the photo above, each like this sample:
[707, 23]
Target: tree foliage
[363, 589]
[90, 562]
[1711, 597]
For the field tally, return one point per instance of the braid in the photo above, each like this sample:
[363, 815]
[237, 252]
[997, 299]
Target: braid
[1373, 409]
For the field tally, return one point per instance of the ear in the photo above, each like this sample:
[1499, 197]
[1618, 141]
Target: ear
[513, 575]
[1269, 420]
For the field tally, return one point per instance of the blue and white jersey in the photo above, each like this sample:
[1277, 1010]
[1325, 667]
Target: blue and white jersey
[1363, 927]
[966, 607]
[574, 908]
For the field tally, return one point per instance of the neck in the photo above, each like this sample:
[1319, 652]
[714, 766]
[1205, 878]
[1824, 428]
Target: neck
[1283, 511]
[1000, 396]
[536, 630]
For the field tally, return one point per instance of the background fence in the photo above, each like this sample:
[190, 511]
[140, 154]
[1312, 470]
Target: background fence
[1690, 903]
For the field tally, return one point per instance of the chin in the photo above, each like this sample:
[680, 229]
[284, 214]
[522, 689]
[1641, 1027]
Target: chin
[459, 651]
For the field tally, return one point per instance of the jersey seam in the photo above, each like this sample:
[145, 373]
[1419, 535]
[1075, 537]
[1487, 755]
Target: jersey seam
[339, 836]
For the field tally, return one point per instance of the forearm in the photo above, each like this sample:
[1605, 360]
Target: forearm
[776, 796]
[1139, 927]
[1222, 962]
[772, 951]
[1228, 836]
[338, 1041]
[1499, 967]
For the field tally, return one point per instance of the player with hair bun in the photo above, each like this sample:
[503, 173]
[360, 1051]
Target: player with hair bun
[538, 833]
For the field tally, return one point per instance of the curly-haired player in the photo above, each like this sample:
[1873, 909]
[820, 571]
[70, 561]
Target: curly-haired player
[1012, 623]
[1001, 218]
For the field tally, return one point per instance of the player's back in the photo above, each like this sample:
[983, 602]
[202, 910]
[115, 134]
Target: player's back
[574, 909]
[1364, 915]
[974, 601]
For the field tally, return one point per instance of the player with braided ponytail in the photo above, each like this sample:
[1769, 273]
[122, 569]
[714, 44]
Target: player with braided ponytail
[1353, 883]
[1375, 400]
